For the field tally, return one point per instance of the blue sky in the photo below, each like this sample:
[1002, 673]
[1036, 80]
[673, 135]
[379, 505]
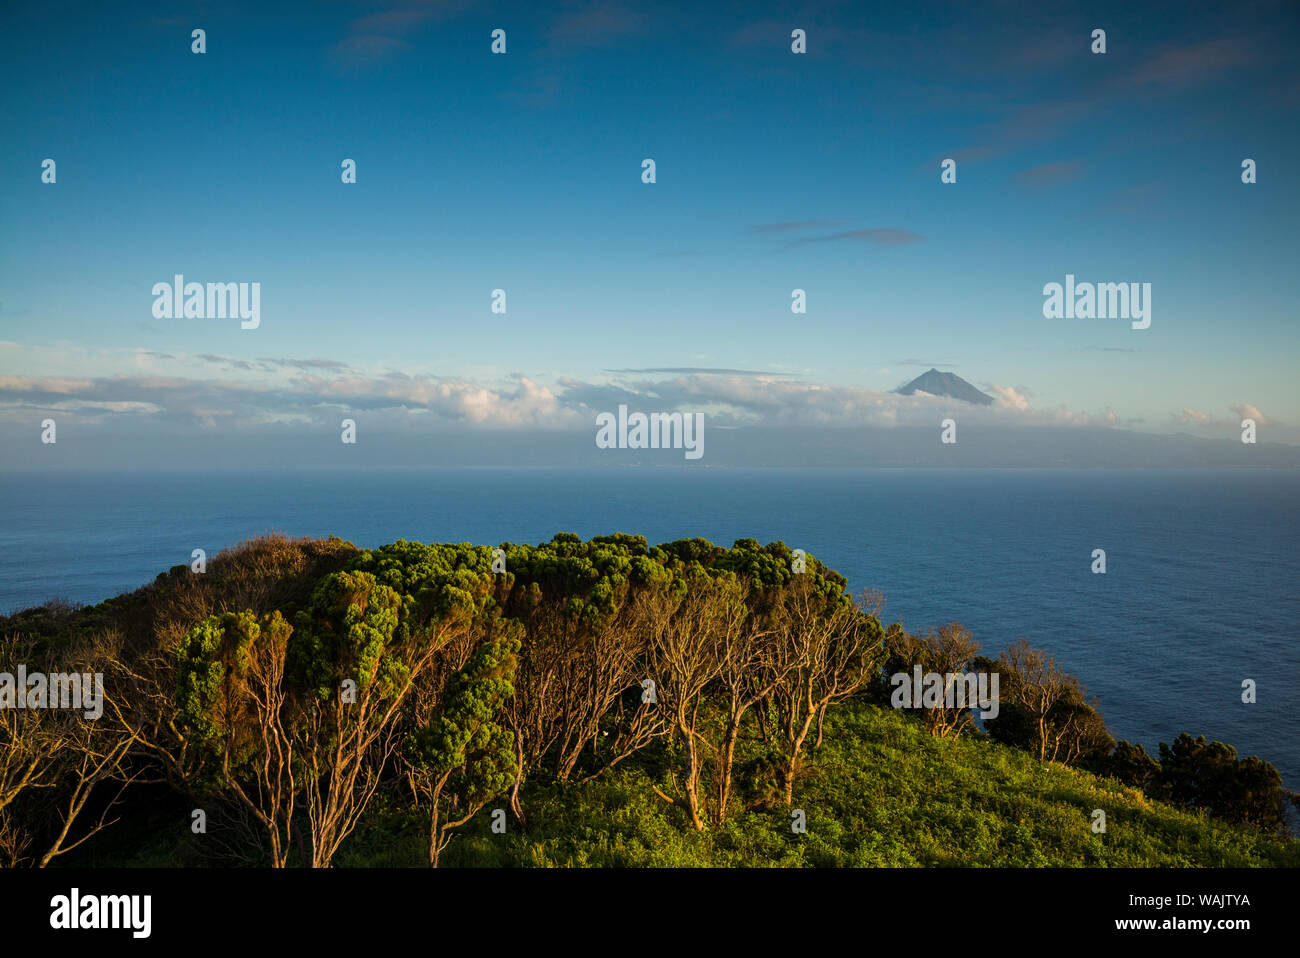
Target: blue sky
[522, 172]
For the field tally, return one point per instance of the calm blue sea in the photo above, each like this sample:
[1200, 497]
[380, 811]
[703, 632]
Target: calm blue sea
[1200, 590]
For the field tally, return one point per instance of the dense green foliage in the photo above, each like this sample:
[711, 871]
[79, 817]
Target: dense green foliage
[617, 703]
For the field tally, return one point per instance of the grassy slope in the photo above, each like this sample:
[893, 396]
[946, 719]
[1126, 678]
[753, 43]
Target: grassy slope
[880, 792]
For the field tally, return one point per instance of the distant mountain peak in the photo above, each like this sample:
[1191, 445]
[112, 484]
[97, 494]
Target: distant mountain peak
[946, 384]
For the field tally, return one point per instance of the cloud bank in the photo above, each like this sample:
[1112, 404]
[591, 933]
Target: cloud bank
[205, 391]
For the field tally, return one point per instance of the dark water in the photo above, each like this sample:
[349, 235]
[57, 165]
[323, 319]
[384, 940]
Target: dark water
[1200, 590]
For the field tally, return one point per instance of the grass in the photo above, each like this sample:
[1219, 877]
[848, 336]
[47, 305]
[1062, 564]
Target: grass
[880, 792]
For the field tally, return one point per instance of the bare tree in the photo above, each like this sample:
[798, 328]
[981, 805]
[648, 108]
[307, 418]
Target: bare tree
[602, 665]
[25, 764]
[752, 664]
[87, 756]
[836, 649]
[948, 651]
[684, 657]
[1041, 687]
[574, 674]
[54, 758]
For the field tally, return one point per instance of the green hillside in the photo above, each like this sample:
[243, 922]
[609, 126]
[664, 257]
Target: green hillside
[601, 703]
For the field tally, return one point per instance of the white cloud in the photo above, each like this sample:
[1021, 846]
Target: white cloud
[1194, 417]
[1188, 416]
[1008, 396]
[247, 393]
[1246, 411]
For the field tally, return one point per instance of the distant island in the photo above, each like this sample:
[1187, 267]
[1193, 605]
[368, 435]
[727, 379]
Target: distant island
[950, 385]
[305, 703]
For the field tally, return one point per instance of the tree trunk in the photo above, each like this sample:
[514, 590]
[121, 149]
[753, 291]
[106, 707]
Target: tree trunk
[692, 781]
[516, 807]
[724, 774]
[789, 781]
[433, 836]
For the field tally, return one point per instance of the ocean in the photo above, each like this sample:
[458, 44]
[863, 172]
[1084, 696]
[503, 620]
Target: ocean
[1200, 590]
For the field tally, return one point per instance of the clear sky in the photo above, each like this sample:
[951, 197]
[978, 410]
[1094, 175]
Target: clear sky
[522, 172]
